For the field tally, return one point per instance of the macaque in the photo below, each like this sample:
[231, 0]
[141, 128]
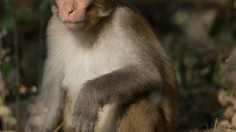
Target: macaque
[105, 71]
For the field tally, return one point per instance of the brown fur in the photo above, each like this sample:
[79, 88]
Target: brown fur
[142, 117]
[113, 73]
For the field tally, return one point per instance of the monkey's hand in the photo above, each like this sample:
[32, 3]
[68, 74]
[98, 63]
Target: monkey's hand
[85, 111]
[34, 124]
[37, 119]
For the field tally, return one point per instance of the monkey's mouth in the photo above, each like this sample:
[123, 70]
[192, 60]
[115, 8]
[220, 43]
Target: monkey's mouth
[73, 25]
[73, 22]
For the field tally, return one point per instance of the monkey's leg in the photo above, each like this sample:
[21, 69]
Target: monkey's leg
[141, 116]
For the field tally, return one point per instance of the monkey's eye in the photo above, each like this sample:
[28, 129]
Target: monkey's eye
[94, 5]
[100, 6]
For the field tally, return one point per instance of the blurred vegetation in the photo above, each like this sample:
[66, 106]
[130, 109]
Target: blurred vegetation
[198, 34]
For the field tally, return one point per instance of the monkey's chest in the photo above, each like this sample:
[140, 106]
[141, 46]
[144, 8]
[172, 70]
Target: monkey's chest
[83, 66]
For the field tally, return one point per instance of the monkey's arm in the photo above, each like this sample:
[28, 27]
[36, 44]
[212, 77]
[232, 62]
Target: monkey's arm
[123, 85]
[48, 107]
[120, 86]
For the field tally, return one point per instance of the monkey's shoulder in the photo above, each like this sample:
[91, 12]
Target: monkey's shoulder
[133, 22]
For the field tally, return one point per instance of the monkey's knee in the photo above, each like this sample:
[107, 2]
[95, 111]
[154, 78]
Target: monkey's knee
[142, 117]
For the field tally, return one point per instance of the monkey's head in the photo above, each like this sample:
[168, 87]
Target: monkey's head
[75, 14]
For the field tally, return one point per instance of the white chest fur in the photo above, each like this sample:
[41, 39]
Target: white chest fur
[80, 64]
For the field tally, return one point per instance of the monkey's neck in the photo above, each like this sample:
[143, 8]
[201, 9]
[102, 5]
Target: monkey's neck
[87, 38]
[89, 34]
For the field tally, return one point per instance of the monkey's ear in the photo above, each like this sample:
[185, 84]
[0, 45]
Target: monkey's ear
[105, 7]
[53, 2]
[54, 7]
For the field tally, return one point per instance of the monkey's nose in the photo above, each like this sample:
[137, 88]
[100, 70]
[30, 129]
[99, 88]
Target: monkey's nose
[68, 8]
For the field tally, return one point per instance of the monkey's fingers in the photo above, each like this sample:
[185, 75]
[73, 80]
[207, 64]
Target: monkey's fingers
[83, 125]
[88, 126]
[77, 124]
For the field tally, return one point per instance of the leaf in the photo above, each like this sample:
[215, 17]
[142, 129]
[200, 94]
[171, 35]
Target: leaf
[9, 2]
[8, 23]
[12, 88]
[7, 11]
[24, 14]
[44, 5]
[180, 17]
[5, 68]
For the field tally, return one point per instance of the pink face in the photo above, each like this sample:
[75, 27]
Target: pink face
[72, 12]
